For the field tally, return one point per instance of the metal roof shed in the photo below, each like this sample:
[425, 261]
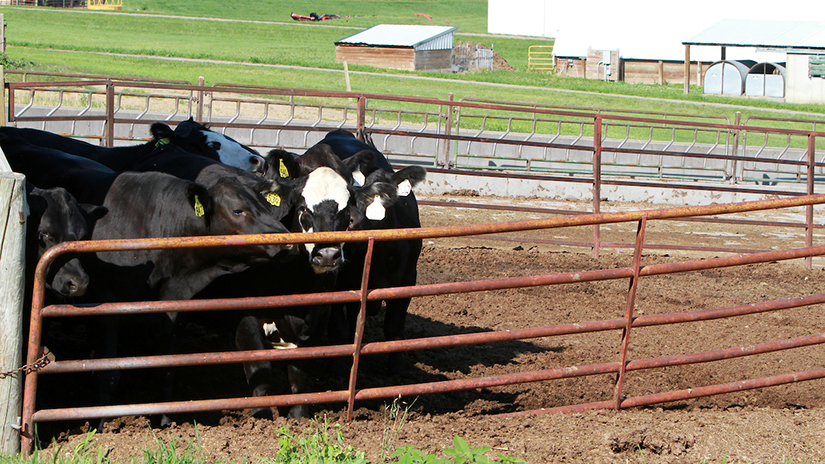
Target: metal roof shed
[411, 48]
[802, 41]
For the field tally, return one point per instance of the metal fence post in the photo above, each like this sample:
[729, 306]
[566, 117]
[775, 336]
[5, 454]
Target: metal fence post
[110, 114]
[734, 165]
[199, 114]
[597, 180]
[809, 210]
[359, 328]
[361, 118]
[628, 316]
[444, 160]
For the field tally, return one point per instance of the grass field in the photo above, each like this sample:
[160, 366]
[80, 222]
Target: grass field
[261, 45]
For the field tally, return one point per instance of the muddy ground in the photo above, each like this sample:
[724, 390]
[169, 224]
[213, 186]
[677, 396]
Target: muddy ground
[767, 425]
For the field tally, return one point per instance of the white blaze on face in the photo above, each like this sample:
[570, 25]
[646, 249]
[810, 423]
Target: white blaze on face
[233, 153]
[324, 184]
[376, 210]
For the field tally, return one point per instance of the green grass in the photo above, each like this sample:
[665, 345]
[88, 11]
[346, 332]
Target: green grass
[34, 34]
[466, 15]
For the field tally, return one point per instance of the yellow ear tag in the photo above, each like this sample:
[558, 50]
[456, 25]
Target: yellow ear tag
[282, 170]
[162, 141]
[198, 207]
[273, 199]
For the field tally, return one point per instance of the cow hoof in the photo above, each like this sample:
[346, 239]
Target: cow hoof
[166, 421]
[298, 412]
[262, 413]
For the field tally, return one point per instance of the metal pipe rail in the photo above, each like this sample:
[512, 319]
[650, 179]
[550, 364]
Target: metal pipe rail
[436, 145]
[357, 349]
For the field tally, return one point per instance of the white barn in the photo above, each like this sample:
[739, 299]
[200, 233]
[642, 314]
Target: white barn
[645, 40]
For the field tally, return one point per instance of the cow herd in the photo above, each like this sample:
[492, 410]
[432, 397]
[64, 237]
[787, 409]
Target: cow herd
[192, 181]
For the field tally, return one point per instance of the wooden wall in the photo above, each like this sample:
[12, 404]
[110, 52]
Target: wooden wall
[394, 58]
[662, 72]
[633, 71]
[596, 69]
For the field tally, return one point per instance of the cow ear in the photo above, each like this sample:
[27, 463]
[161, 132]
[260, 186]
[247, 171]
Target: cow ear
[200, 201]
[160, 131]
[408, 178]
[93, 211]
[281, 164]
[276, 193]
[360, 165]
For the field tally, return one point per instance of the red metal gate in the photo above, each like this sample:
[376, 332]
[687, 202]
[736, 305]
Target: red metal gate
[621, 367]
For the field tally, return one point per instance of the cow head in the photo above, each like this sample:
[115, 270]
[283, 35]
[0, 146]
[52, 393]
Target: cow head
[231, 207]
[324, 197]
[55, 218]
[382, 190]
[199, 139]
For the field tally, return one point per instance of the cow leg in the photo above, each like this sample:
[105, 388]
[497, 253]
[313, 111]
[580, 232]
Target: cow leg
[394, 321]
[250, 336]
[299, 379]
[339, 333]
[164, 327]
[104, 330]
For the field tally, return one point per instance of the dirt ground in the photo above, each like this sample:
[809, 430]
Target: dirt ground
[766, 425]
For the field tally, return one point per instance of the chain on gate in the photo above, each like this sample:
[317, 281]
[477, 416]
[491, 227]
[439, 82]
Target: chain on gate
[40, 363]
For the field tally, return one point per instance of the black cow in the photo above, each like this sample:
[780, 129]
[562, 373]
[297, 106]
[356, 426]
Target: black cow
[393, 262]
[324, 199]
[56, 217]
[188, 136]
[154, 204]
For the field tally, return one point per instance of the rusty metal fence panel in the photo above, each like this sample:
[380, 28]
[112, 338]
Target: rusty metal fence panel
[620, 367]
[475, 138]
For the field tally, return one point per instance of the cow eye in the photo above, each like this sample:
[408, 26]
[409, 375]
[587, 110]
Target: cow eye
[239, 212]
[214, 145]
[305, 219]
[44, 237]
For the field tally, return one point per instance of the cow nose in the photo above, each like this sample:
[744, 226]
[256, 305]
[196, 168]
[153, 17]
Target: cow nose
[257, 163]
[327, 258]
[71, 280]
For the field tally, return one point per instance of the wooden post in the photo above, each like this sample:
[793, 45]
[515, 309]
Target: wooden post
[687, 69]
[346, 76]
[201, 95]
[661, 72]
[12, 274]
[2, 94]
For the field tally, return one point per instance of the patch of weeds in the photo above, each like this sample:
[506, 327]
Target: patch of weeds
[172, 452]
[460, 454]
[10, 63]
[321, 444]
[394, 418]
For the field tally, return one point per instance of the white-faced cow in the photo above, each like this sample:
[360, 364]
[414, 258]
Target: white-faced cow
[393, 262]
[189, 136]
[324, 199]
